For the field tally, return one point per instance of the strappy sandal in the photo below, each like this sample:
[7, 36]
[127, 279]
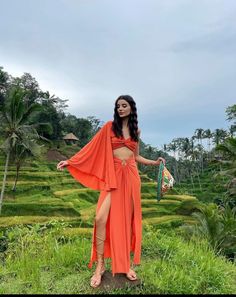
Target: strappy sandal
[130, 274]
[96, 280]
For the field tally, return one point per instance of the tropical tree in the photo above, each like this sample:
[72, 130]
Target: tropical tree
[231, 112]
[173, 146]
[232, 130]
[218, 225]
[185, 146]
[96, 124]
[4, 84]
[84, 131]
[14, 126]
[219, 135]
[231, 116]
[59, 104]
[228, 149]
[164, 147]
[209, 223]
[69, 124]
[48, 114]
[22, 151]
[207, 134]
[199, 135]
[30, 86]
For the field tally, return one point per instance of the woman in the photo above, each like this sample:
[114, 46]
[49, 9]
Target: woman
[108, 163]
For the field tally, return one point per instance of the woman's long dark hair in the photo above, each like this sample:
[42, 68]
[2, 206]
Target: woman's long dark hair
[132, 121]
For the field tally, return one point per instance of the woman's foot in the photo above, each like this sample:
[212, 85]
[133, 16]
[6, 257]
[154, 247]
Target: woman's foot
[97, 277]
[131, 275]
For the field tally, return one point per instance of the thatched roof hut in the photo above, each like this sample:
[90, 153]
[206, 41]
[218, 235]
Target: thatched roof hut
[70, 138]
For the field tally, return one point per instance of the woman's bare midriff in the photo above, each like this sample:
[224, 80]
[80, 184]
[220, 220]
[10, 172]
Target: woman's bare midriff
[123, 153]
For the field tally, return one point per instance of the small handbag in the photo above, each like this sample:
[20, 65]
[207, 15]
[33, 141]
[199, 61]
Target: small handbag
[165, 181]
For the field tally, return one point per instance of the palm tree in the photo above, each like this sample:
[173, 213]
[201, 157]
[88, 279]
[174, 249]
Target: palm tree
[228, 242]
[199, 135]
[232, 130]
[207, 134]
[219, 135]
[231, 112]
[164, 147]
[218, 225]
[209, 223]
[23, 151]
[186, 146]
[4, 81]
[228, 148]
[14, 127]
[173, 146]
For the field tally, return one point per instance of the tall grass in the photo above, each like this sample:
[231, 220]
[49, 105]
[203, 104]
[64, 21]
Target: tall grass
[44, 259]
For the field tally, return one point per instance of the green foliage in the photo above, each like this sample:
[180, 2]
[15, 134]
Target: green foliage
[20, 138]
[231, 112]
[45, 256]
[166, 221]
[48, 259]
[228, 148]
[218, 226]
[213, 183]
[187, 207]
[48, 115]
[175, 266]
[4, 84]
[23, 209]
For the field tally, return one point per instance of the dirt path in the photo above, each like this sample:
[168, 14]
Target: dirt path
[54, 155]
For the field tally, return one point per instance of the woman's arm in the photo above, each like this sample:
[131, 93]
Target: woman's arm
[143, 160]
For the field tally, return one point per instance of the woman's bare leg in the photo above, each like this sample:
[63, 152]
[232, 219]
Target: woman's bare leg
[131, 275]
[101, 220]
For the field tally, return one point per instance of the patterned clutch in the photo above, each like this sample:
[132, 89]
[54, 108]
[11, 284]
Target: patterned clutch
[165, 181]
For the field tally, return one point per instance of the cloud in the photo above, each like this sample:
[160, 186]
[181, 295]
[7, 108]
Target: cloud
[175, 57]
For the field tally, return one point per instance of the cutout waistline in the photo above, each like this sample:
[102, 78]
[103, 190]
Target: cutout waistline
[132, 158]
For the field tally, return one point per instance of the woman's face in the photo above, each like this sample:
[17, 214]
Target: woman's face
[123, 108]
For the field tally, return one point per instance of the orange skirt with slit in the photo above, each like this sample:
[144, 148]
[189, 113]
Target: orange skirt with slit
[123, 227]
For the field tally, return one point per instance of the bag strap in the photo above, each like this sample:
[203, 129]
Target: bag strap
[160, 181]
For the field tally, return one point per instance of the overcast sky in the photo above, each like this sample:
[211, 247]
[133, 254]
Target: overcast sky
[176, 58]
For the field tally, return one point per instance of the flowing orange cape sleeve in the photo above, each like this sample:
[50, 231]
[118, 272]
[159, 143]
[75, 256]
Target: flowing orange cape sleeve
[93, 165]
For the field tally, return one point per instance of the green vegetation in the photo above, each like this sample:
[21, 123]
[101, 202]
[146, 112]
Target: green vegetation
[52, 259]
[189, 236]
[59, 218]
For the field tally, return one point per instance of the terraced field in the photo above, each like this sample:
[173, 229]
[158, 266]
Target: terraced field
[208, 186]
[44, 194]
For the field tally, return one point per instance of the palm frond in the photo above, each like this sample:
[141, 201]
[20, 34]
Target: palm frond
[228, 147]
[33, 108]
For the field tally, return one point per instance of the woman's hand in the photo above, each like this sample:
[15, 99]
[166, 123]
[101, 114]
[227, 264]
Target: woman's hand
[159, 160]
[61, 165]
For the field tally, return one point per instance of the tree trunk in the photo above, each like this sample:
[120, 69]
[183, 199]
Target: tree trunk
[221, 174]
[4, 181]
[176, 172]
[16, 179]
[202, 162]
[192, 182]
[199, 180]
[209, 148]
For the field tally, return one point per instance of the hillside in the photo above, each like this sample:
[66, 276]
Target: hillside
[45, 238]
[43, 194]
[208, 186]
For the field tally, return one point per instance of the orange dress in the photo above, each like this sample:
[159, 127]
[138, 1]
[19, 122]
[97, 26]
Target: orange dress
[95, 166]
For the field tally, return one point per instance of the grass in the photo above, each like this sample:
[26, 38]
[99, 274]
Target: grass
[212, 186]
[43, 260]
[21, 209]
[55, 261]
[165, 219]
[11, 221]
